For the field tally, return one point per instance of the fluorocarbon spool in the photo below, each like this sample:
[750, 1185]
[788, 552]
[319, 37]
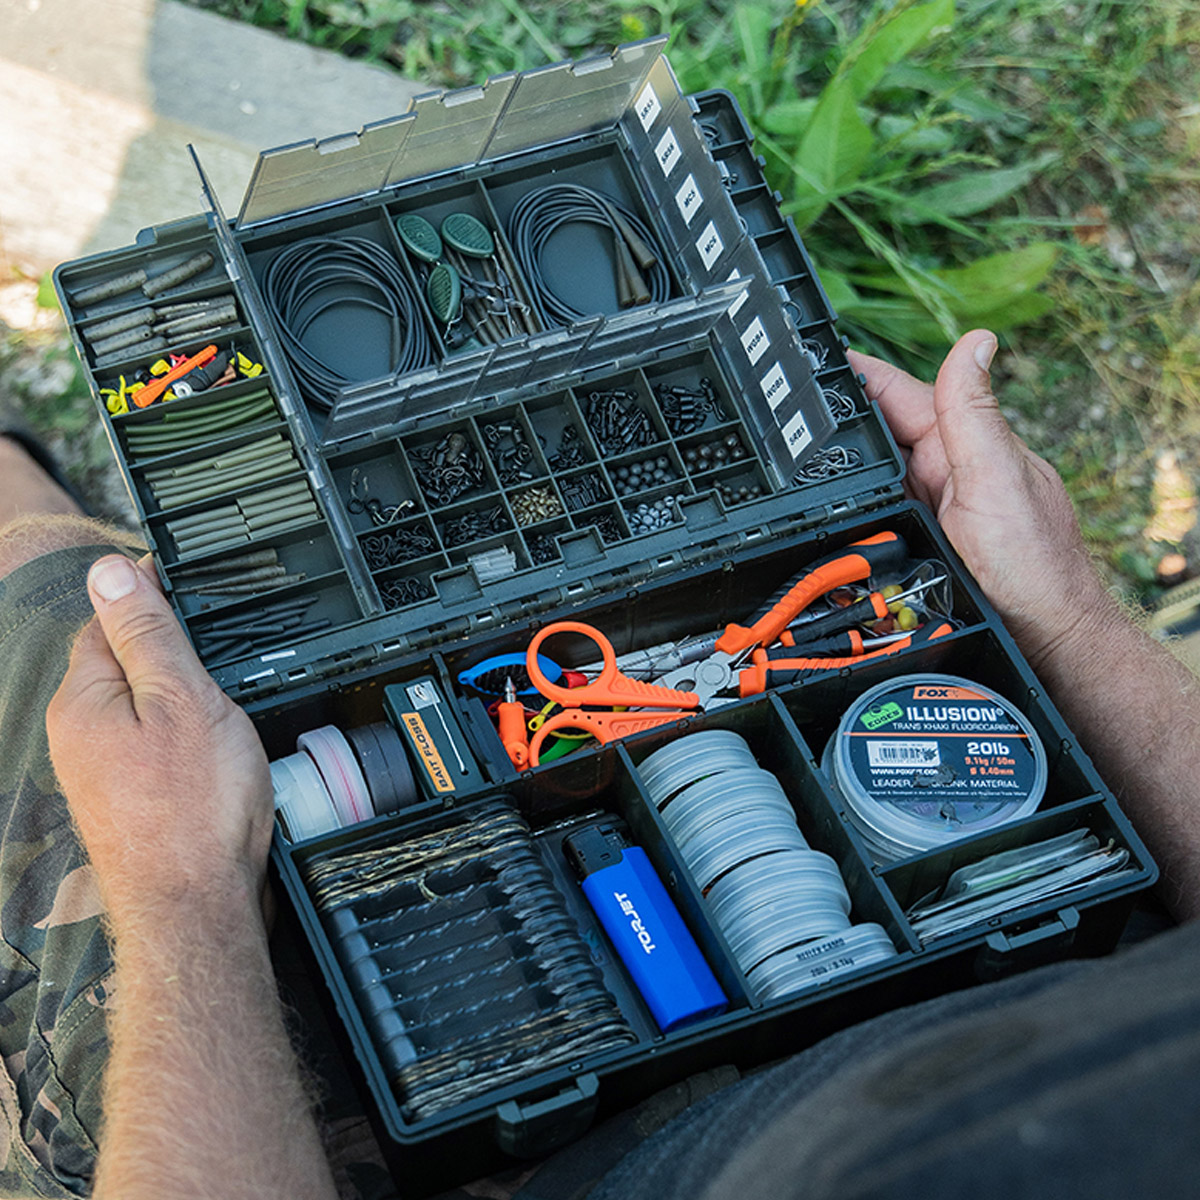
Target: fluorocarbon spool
[923, 760]
[738, 839]
[764, 880]
[301, 797]
[711, 800]
[339, 769]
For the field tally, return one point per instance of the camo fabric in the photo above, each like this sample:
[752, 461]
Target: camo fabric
[55, 966]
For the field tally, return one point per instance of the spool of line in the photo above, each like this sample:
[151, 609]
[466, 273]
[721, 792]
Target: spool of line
[331, 753]
[923, 760]
[689, 759]
[385, 766]
[301, 797]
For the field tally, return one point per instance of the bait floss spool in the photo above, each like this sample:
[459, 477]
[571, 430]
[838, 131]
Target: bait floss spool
[923, 760]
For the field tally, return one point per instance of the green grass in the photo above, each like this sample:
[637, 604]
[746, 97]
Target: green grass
[939, 160]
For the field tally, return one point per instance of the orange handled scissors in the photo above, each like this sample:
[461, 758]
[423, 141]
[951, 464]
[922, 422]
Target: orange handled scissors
[609, 688]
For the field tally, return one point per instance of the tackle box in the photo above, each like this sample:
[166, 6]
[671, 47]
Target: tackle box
[415, 552]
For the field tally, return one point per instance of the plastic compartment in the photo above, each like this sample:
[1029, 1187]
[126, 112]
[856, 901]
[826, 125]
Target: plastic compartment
[977, 655]
[607, 520]
[686, 372]
[621, 414]
[309, 551]
[583, 489]
[160, 418]
[155, 261]
[400, 543]
[758, 209]
[435, 205]
[924, 875]
[534, 503]
[779, 748]
[716, 448]
[541, 541]
[561, 433]
[130, 362]
[449, 465]
[577, 261]
[641, 471]
[331, 605]
[745, 169]
[741, 483]
[805, 301]
[409, 583]
[377, 472]
[512, 448]
[475, 521]
[353, 338]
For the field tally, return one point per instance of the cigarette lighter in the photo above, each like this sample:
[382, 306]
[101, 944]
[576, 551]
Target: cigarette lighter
[644, 925]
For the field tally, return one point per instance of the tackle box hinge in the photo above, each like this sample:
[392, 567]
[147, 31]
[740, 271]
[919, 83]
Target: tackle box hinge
[344, 661]
[262, 684]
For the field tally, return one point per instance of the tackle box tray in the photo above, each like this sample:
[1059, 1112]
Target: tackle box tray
[420, 518]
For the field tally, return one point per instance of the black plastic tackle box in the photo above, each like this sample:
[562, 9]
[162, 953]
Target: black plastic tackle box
[546, 351]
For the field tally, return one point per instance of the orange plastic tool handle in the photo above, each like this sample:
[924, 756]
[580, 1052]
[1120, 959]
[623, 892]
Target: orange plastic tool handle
[511, 715]
[604, 726]
[610, 687]
[857, 562]
[146, 396]
[753, 680]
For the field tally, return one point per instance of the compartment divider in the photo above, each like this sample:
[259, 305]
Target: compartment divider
[651, 833]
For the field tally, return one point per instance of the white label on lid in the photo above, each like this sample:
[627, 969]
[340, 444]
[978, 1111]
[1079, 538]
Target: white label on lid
[277, 654]
[648, 106]
[797, 435]
[755, 341]
[775, 386]
[667, 152]
[736, 306]
[709, 245]
[688, 198]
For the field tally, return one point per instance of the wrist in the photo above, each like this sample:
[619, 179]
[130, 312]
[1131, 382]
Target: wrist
[155, 914]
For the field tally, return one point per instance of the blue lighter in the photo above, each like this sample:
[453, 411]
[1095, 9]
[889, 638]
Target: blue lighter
[637, 914]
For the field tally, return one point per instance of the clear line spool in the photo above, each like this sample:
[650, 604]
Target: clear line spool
[923, 760]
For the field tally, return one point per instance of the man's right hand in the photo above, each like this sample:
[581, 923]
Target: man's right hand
[1004, 508]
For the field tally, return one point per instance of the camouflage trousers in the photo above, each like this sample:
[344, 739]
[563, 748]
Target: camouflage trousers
[55, 965]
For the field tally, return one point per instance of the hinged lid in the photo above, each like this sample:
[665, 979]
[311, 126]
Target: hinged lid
[384, 407]
[442, 131]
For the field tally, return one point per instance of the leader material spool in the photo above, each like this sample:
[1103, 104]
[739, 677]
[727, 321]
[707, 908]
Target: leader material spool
[692, 758]
[924, 760]
[803, 967]
[765, 880]
[335, 760]
[738, 839]
[301, 797]
[785, 923]
[702, 805]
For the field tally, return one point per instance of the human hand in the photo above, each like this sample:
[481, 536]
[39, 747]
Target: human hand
[1003, 507]
[165, 775]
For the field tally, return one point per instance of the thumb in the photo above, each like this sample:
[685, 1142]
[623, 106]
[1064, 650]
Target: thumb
[141, 630]
[972, 428]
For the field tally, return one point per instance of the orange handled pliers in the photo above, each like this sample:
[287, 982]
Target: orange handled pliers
[610, 688]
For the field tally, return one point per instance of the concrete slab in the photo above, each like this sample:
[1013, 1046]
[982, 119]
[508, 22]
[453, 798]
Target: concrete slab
[100, 98]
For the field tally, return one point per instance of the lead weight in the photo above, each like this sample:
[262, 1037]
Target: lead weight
[121, 324]
[166, 311]
[194, 266]
[116, 286]
[123, 341]
[212, 319]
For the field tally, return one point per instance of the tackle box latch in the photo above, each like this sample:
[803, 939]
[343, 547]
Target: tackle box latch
[529, 1130]
[1004, 953]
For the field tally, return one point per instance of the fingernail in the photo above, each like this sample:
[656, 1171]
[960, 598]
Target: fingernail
[985, 351]
[112, 578]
